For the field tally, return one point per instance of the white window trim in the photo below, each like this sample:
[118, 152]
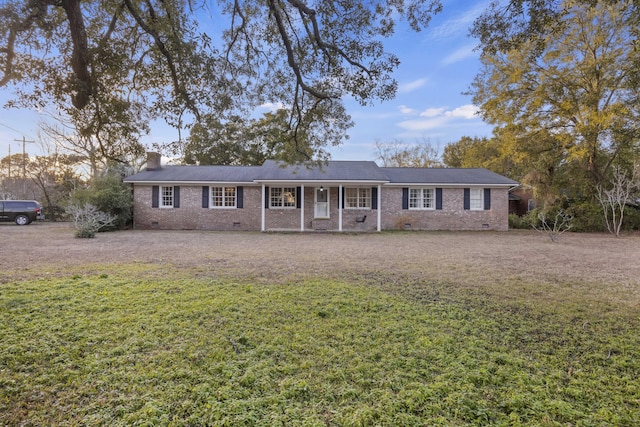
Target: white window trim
[161, 196]
[480, 200]
[421, 199]
[224, 187]
[346, 196]
[282, 198]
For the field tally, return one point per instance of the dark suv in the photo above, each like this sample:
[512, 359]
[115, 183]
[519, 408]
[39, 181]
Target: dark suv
[22, 212]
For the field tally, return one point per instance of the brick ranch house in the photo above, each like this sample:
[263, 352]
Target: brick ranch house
[338, 196]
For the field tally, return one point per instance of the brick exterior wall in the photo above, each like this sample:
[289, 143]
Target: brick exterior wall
[192, 216]
[452, 216]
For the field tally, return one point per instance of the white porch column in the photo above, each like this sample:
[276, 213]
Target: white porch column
[262, 210]
[302, 208]
[340, 190]
[379, 207]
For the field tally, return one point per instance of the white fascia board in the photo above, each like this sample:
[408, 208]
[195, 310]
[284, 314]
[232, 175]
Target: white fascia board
[319, 182]
[440, 185]
[192, 182]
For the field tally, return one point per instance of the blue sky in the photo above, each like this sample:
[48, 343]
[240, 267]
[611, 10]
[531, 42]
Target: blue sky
[437, 66]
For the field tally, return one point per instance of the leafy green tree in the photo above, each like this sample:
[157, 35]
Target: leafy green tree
[237, 142]
[566, 105]
[115, 65]
[480, 152]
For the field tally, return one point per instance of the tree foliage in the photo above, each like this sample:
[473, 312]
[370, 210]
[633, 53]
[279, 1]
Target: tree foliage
[107, 194]
[113, 66]
[476, 152]
[398, 154]
[237, 142]
[565, 102]
[48, 178]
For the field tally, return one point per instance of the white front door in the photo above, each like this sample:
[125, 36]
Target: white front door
[321, 203]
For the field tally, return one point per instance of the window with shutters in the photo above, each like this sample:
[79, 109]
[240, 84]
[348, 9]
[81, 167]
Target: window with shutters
[282, 197]
[422, 198]
[357, 198]
[223, 197]
[476, 199]
[166, 197]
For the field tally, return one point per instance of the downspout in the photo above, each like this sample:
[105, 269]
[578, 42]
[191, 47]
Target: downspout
[302, 207]
[262, 209]
[379, 208]
[340, 208]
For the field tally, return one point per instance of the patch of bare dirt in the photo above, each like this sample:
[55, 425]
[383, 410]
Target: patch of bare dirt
[596, 264]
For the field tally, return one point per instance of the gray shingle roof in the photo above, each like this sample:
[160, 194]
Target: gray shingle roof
[337, 171]
[446, 176]
[331, 171]
[197, 174]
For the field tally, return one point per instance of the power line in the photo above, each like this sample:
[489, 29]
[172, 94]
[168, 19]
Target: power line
[17, 131]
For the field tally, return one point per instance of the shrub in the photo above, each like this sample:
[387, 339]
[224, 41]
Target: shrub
[109, 195]
[588, 216]
[554, 225]
[88, 220]
[520, 222]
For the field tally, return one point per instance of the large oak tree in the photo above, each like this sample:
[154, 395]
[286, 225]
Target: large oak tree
[114, 65]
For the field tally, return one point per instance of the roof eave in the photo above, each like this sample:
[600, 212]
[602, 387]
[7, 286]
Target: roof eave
[449, 184]
[319, 181]
[178, 182]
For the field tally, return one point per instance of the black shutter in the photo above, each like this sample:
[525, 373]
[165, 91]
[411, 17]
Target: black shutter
[344, 191]
[405, 198]
[176, 196]
[155, 196]
[266, 197]
[438, 198]
[205, 196]
[374, 197]
[298, 197]
[239, 197]
[467, 199]
[487, 199]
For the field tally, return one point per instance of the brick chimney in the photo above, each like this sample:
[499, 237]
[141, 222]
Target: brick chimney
[153, 161]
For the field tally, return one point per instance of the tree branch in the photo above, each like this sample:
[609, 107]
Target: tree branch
[80, 62]
[277, 14]
[177, 86]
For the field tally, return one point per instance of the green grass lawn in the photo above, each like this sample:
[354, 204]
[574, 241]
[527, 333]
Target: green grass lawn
[126, 349]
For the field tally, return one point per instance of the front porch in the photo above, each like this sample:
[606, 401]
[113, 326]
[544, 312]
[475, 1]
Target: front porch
[321, 207]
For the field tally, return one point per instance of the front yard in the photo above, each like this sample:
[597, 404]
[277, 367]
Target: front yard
[192, 328]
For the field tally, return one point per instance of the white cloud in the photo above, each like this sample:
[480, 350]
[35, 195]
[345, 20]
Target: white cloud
[434, 118]
[411, 86]
[273, 107]
[458, 24]
[406, 110]
[423, 124]
[460, 54]
[468, 111]
[433, 112]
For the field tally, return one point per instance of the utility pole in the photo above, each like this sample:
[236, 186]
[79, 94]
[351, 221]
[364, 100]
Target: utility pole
[9, 161]
[24, 162]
